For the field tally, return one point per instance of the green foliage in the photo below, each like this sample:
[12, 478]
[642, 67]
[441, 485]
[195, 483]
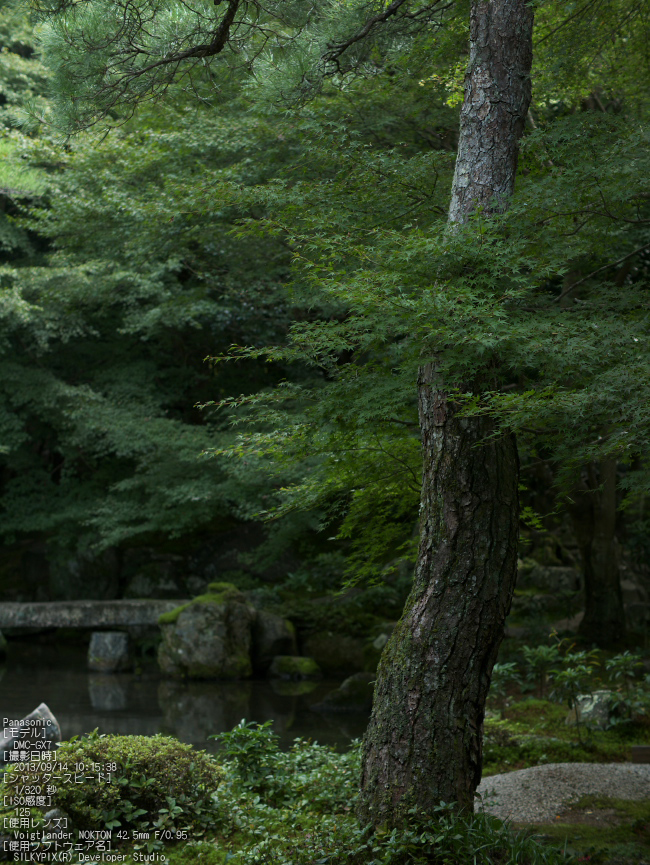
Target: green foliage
[251, 747]
[155, 783]
[194, 237]
[23, 77]
[308, 777]
[352, 194]
[631, 699]
[623, 668]
[572, 674]
[301, 814]
[590, 52]
[102, 345]
[567, 377]
[102, 69]
[504, 676]
[15, 175]
[539, 660]
[573, 679]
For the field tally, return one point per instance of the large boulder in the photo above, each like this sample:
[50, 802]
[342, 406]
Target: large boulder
[354, 695]
[210, 637]
[335, 653]
[272, 636]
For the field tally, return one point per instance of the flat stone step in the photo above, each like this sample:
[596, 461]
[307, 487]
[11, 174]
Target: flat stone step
[85, 614]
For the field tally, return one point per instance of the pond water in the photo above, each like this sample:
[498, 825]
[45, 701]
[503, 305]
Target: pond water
[146, 703]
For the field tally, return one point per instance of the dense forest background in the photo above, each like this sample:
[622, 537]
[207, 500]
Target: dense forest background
[212, 315]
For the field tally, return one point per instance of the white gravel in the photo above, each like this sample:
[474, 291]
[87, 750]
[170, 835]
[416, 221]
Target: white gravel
[539, 794]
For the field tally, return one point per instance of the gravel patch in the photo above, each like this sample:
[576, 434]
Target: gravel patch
[539, 794]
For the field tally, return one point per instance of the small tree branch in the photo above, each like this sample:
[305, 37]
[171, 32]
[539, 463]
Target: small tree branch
[598, 270]
[218, 44]
[337, 49]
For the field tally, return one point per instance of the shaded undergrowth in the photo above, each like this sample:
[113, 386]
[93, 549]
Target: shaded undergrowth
[535, 732]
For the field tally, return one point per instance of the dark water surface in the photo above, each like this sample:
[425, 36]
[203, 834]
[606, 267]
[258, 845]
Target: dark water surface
[146, 704]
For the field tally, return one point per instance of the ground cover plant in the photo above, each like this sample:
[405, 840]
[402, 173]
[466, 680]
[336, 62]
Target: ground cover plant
[256, 804]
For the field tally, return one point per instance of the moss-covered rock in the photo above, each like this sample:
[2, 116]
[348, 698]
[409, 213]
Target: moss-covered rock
[218, 593]
[138, 776]
[354, 695]
[210, 637]
[293, 667]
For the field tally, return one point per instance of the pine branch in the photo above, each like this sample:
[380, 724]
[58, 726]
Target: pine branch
[217, 45]
[337, 49]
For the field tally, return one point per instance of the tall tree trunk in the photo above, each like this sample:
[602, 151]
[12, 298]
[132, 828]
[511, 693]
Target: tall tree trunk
[593, 514]
[424, 740]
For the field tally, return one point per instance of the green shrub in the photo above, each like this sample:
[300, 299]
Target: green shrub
[539, 660]
[309, 775]
[147, 782]
[504, 676]
[250, 747]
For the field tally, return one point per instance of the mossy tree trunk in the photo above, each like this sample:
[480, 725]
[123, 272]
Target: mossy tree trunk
[593, 513]
[424, 740]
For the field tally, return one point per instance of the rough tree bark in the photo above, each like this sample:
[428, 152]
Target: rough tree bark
[424, 740]
[593, 513]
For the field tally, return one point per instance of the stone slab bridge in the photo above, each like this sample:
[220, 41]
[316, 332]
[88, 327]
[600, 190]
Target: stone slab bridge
[94, 615]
